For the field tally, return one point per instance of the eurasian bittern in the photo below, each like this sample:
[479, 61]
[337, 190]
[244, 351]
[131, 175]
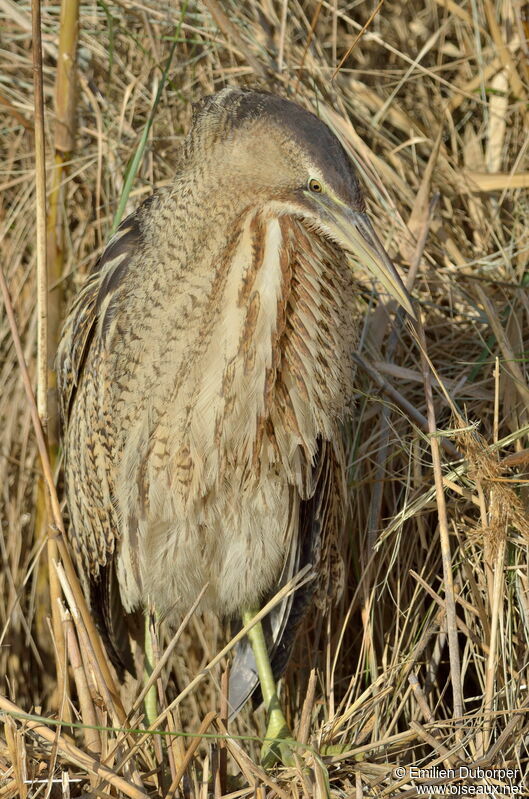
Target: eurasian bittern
[205, 368]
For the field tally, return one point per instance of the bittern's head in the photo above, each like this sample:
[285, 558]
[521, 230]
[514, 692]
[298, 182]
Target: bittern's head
[266, 150]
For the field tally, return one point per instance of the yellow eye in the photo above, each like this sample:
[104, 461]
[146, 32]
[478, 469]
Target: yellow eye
[315, 186]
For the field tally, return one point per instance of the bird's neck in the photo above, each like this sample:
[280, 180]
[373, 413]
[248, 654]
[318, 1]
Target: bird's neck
[274, 372]
[242, 321]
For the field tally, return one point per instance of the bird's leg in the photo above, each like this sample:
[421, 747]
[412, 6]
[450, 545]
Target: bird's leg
[150, 702]
[278, 738]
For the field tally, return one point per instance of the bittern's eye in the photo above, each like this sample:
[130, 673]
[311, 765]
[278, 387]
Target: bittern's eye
[315, 186]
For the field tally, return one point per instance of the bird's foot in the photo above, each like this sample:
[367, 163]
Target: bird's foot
[279, 745]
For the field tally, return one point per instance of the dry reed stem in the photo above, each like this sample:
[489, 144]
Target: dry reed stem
[231, 32]
[86, 646]
[17, 754]
[492, 660]
[88, 714]
[253, 772]
[401, 402]
[193, 746]
[451, 618]
[42, 326]
[40, 213]
[308, 704]
[65, 96]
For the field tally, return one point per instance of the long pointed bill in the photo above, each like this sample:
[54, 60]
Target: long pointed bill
[355, 233]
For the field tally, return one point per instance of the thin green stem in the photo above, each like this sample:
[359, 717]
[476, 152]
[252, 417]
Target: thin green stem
[138, 155]
[150, 702]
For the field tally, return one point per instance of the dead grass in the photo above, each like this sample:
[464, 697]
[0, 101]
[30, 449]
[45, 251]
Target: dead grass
[425, 661]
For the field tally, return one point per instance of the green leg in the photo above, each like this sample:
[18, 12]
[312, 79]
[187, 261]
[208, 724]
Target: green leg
[278, 745]
[150, 701]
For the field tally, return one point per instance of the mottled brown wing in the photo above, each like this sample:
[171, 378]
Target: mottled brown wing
[93, 534]
[319, 543]
[321, 525]
[330, 508]
[76, 336]
[80, 324]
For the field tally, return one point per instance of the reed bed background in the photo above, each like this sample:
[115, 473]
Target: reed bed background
[425, 661]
